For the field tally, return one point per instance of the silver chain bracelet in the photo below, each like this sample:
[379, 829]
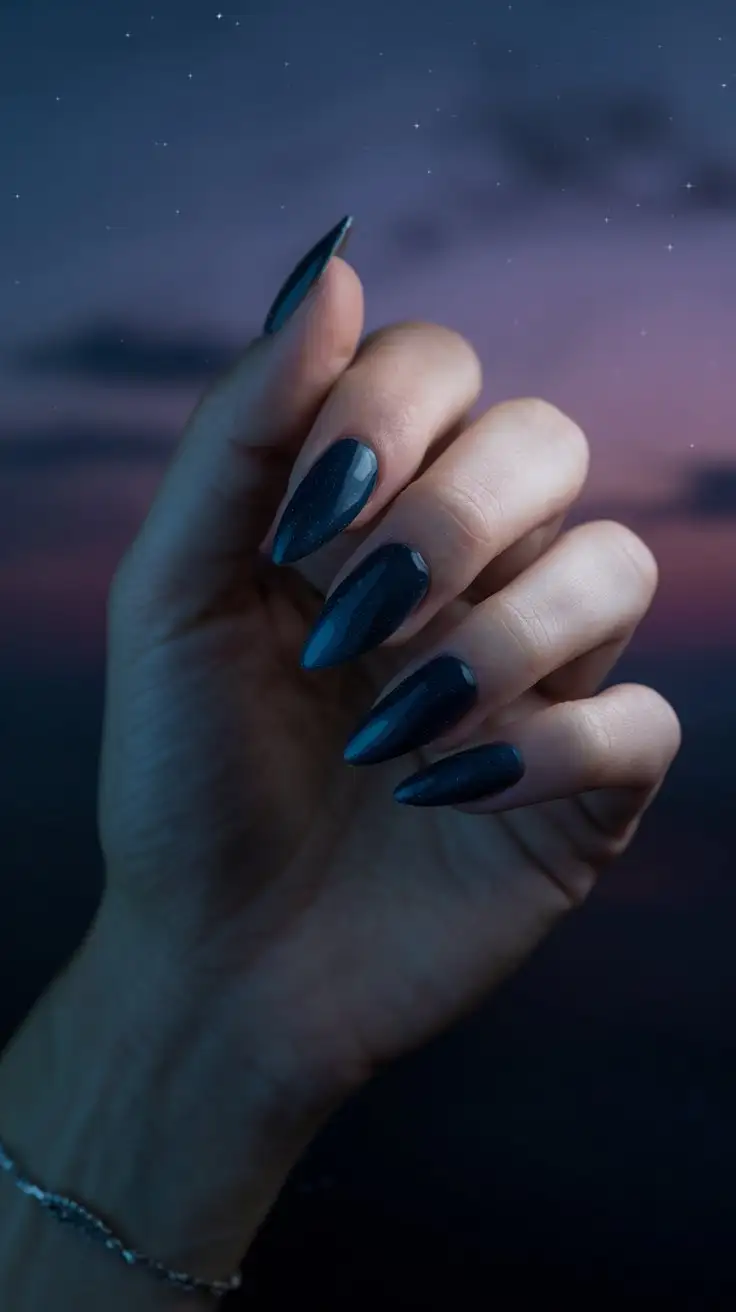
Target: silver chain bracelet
[72, 1213]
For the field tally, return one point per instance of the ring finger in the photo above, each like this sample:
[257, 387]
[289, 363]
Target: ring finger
[588, 592]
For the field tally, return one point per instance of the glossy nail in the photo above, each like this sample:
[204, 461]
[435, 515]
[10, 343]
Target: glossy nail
[330, 496]
[464, 777]
[368, 606]
[425, 704]
[303, 278]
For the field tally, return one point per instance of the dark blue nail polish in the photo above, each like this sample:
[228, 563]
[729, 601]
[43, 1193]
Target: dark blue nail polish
[303, 278]
[464, 777]
[368, 606]
[420, 708]
[330, 496]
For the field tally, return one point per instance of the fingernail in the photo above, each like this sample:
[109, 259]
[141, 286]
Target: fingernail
[307, 272]
[368, 606]
[464, 777]
[418, 709]
[330, 496]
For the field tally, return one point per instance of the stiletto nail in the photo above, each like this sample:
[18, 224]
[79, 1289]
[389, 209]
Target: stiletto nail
[303, 278]
[330, 496]
[368, 606]
[464, 777]
[420, 708]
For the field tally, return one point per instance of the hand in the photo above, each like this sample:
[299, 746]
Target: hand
[349, 928]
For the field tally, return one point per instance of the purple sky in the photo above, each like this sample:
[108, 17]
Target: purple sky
[549, 186]
[554, 179]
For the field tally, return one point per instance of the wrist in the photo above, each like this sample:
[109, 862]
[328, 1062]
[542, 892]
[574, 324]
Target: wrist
[151, 1101]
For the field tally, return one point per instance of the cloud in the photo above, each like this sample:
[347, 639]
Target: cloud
[714, 185]
[570, 138]
[706, 493]
[605, 147]
[115, 351]
[709, 493]
[42, 448]
[75, 487]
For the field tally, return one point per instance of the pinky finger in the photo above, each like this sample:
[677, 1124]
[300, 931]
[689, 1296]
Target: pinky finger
[617, 746]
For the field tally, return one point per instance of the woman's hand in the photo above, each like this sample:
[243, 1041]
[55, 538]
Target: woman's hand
[344, 926]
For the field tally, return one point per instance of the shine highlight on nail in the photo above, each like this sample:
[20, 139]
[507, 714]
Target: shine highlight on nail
[465, 777]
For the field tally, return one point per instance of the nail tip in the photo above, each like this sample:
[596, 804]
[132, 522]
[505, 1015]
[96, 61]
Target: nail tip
[286, 549]
[280, 554]
[345, 224]
[354, 756]
[404, 796]
[310, 661]
[281, 310]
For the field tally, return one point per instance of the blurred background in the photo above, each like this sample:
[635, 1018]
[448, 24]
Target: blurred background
[556, 179]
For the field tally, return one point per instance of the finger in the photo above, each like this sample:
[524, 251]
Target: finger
[197, 548]
[513, 561]
[583, 676]
[591, 588]
[406, 386]
[617, 746]
[324, 565]
[512, 471]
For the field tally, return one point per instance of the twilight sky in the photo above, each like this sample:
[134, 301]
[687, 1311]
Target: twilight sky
[557, 180]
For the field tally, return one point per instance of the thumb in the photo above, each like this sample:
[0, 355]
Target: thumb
[199, 542]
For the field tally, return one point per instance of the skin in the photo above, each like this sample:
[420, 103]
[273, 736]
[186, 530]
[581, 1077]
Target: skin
[226, 808]
[306, 926]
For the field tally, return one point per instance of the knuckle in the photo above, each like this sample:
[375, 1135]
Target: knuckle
[597, 734]
[663, 732]
[630, 555]
[532, 631]
[564, 442]
[472, 515]
[432, 339]
[630, 732]
[536, 412]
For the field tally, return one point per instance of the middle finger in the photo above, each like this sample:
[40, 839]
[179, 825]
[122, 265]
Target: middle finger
[517, 467]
